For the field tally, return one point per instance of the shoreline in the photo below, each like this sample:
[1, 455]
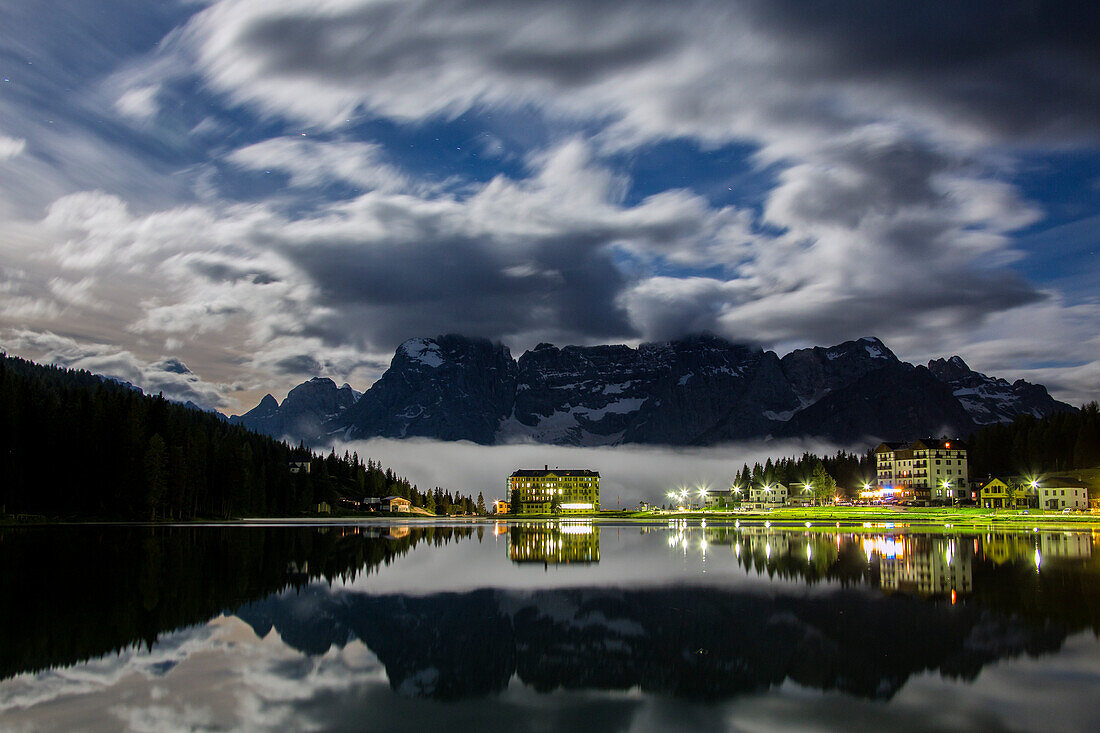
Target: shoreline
[820, 518]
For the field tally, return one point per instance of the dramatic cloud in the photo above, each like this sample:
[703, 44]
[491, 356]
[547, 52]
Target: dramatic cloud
[283, 187]
[309, 163]
[168, 376]
[701, 68]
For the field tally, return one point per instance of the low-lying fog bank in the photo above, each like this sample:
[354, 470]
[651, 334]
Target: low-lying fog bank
[629, 473]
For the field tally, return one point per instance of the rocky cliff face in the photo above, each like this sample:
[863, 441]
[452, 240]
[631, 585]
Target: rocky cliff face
[670, 393]
[701, 390]
[305, 412]
[814, 373]
[990, 400]
[450, 388]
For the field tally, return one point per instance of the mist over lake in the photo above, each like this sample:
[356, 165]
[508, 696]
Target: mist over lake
[631, 473]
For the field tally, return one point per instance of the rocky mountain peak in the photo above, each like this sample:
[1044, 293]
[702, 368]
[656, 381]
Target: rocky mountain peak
[697, 390]
[450, 387]
[817, 371]
[990, 399]
[267, 404]
[949, 370]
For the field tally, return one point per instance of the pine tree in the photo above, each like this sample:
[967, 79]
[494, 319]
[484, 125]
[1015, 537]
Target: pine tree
[155, 475]
[824, 486]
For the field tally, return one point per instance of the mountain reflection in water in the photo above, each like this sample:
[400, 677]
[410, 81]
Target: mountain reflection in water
[857, 612]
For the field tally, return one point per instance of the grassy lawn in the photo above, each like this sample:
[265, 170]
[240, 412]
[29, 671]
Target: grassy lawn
[939, 516]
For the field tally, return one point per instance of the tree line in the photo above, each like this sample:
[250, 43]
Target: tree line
[76, 445]
[1028, 445]
[1031, 446]
[825, 474]
[78, 592]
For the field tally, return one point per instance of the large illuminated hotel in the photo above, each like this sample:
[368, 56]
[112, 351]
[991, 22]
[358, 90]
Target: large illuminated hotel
[927, 469]
[565, 490]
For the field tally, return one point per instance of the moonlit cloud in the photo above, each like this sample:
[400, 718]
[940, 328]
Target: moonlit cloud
[139, 103]
[11, 147]
[273, 188]
[168, 376]
[310, 163]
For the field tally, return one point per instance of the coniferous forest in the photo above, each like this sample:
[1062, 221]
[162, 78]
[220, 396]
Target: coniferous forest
[1033, 446]
[1028, 445]
[76, 445]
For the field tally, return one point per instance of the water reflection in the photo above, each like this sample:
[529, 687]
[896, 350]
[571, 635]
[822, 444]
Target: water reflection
[855, 611]
[560, 543]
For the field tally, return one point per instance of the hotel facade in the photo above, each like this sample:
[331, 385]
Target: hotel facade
[930, 469]
[564, 490]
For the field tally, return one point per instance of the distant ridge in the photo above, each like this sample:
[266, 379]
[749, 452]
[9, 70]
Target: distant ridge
[699, 390]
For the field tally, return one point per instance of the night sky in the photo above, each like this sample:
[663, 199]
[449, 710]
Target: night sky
[222, 199]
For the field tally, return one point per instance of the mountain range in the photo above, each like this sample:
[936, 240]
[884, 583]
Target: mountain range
[700, 390]
[454, 646]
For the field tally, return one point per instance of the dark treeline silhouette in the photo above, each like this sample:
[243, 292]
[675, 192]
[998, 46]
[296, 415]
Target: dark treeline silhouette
[849, 471]
[73, 444]
[69, 594]
[1029, 445]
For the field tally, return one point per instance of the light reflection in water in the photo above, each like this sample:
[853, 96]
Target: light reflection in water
[1018, 593]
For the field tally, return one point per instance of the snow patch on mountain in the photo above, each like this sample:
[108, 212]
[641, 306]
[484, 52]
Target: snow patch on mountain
[424, 351]
[622, 407]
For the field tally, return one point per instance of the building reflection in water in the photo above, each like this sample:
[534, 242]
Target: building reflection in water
[922, 565]
[554, 544]
[926, 565]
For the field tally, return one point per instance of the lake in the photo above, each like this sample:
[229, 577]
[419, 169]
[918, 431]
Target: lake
[547, 626]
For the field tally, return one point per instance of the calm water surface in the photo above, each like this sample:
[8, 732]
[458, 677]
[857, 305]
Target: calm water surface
[547, 626]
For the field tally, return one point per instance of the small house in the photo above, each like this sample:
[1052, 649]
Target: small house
[396, 504]
[1059, 492]
[997, 493]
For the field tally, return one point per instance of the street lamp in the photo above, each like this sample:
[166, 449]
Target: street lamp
[947, 495]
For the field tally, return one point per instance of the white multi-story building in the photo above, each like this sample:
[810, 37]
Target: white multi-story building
[1063, 493]
[768, 495]
[929, 469]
